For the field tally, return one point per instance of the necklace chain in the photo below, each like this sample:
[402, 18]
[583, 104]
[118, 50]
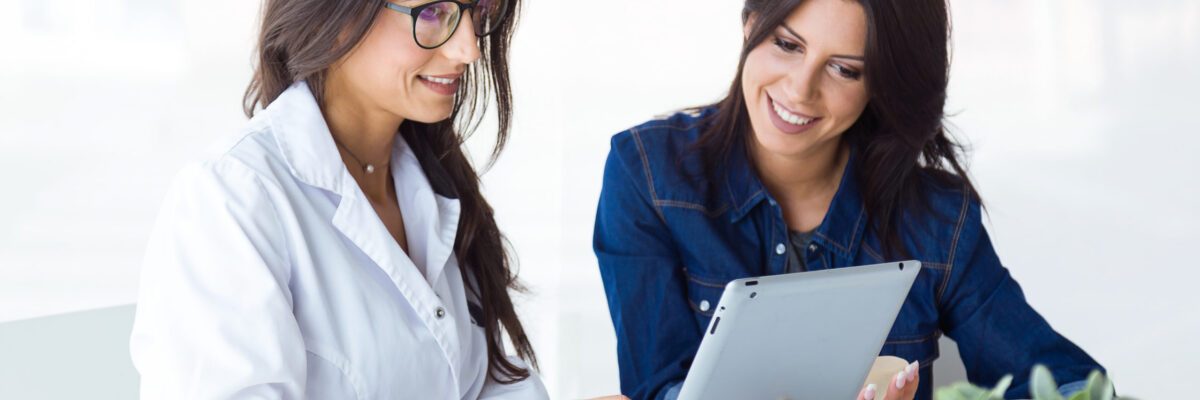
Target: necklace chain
[366, 167]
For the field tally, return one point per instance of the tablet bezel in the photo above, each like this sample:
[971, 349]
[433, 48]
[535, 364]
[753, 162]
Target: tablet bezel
[762, 330]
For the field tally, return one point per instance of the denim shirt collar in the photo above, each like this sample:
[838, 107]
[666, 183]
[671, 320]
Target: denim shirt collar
[844, 225]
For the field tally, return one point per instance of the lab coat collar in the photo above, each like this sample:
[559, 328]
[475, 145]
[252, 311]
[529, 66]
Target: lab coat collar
[429, 203]
[304, 139]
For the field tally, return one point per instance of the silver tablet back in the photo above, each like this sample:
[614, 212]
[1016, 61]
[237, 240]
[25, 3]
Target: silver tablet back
[807, 335]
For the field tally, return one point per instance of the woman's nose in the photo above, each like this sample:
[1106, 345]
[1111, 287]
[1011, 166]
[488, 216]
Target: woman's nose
[463, 45]
[804, 83]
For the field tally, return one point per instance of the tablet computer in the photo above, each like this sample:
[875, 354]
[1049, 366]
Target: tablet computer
[805, 335]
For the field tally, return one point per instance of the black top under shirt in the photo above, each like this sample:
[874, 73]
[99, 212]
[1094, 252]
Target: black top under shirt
[799, 240]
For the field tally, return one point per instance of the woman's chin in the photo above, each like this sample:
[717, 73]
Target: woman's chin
[430, 115]
[780, 144]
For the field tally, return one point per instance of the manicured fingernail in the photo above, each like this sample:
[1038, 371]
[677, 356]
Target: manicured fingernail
[911, 367]
[869, 394]
[900, 379]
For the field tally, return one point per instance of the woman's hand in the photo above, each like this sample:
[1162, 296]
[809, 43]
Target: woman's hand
[903, 385]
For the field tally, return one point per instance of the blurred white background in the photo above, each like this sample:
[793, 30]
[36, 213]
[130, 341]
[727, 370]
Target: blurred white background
[1079, 114]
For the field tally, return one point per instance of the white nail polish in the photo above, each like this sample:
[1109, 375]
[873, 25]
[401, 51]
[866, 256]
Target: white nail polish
[869, 394]
[900, 379]
[909, 368]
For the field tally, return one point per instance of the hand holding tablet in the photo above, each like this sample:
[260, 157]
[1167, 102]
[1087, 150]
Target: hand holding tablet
[891, 378]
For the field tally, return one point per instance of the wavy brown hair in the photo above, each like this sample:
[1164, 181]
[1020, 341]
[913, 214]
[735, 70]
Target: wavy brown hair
[301, 39]
[900, 140]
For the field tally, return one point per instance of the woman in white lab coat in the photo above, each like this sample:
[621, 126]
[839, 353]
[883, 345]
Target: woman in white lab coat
[338, 247]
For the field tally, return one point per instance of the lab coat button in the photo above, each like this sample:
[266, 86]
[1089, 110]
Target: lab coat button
[441, 312]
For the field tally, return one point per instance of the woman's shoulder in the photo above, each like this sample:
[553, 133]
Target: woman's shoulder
[948, 192]
[237, 179]
[251, 153]
[239, 176]
[951, 213]
[659, 153]
[943, 218]
[672, 132]
[662, 144]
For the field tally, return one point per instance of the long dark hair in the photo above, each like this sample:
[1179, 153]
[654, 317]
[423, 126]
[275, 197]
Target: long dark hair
[900, 138]
[300, 40]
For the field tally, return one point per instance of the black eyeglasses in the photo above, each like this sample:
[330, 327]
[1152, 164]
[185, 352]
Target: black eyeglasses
[434, 23]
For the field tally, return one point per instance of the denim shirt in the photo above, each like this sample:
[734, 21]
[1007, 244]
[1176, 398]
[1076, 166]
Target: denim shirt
[668, 242]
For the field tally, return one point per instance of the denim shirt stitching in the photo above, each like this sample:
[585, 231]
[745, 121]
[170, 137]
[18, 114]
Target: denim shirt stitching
[832, 242]
[637, 139]
[741, 208]
[856, 237]
[912, 340]
[871, 253]
[702, 282]
[664, 122]
[935, 265]
[692, 206]
[962, 217]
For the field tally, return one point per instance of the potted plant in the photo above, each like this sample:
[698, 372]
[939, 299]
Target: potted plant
[1042, 387]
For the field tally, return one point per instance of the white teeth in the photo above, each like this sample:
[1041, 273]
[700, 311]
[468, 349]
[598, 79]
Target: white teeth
[789, 117]
[443, 81]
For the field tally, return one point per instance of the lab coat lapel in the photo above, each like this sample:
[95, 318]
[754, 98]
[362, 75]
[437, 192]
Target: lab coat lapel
[431, 233]
[441, 244]
[308, 148]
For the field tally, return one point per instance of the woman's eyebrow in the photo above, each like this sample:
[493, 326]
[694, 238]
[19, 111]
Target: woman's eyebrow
[805, 42]
[793, 33]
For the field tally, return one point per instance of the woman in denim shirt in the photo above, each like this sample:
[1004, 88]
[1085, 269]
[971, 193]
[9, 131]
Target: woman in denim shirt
[829, 151]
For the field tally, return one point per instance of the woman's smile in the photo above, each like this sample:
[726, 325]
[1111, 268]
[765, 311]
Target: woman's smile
[445, 85]
[788, 121]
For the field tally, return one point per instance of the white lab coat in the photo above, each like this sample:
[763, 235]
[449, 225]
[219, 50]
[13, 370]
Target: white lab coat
[269, 276]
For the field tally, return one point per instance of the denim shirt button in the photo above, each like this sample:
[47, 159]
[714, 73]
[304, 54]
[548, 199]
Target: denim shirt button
[812, 247]
[780, 249]
[704, 305]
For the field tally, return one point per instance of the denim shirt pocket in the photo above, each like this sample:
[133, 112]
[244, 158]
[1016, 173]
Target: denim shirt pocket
[703, 295]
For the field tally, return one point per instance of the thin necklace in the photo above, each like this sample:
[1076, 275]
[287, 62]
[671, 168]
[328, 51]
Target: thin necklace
[366, 167]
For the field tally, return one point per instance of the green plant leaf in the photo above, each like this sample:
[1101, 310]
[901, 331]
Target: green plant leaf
[1080, 395]
[1099, 387]
[972, 391]
[948, 393]
[963, 391]
[1042, 386]
[1001, 387]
